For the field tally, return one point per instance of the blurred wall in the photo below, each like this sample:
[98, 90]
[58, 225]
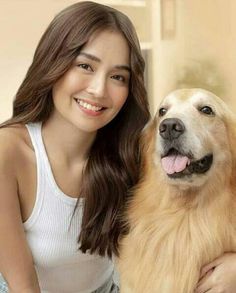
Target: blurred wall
[202, 52]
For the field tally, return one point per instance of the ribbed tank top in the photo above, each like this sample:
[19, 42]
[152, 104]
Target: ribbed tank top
[52, 234]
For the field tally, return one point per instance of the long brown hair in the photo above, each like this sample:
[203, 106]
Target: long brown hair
[113, 164]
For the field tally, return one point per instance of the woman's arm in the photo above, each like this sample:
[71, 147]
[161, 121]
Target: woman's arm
[219, 275]
[16, 263]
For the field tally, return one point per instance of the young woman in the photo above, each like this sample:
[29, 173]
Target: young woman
[69, 154]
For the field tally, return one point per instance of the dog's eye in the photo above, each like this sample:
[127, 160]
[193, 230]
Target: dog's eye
[162, 111]
[206, 110]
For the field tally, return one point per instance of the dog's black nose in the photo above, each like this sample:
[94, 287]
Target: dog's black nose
[171, 128]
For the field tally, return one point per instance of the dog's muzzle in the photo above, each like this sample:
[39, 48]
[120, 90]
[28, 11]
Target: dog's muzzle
[175, 162]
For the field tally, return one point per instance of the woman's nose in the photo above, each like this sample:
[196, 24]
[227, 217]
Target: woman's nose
[97, 86]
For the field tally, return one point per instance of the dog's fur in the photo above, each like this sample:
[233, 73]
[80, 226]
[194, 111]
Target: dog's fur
[179, 224]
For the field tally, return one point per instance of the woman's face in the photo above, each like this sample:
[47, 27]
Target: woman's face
[91, 93]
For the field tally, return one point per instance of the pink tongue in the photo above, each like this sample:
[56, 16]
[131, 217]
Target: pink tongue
[174, 163]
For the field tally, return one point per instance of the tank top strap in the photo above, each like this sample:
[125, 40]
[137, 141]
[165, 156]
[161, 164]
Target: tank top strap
[35, 131]
[45, 175]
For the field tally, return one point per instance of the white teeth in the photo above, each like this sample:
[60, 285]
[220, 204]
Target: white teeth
[88, 106]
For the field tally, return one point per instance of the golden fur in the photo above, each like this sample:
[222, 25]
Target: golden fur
[178, 225]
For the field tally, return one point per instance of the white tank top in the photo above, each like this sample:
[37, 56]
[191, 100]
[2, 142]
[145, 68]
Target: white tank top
[52, 234]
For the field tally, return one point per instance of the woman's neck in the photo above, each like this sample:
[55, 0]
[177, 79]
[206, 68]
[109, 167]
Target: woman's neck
[65, 141]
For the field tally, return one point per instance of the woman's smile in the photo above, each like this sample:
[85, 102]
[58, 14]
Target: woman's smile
[90, 108]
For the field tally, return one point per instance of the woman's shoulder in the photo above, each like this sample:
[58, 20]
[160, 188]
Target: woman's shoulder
[15, 144]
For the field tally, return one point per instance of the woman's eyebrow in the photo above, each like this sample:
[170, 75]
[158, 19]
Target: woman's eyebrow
[94, 58]
[90, 56]
[123, 67]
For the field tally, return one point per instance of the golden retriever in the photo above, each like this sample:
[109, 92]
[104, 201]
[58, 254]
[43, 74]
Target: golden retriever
[183, 212]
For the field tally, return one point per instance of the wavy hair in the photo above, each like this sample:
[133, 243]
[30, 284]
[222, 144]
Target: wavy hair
[114, 159]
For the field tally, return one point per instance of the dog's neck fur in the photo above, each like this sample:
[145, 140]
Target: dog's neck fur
[198, 228]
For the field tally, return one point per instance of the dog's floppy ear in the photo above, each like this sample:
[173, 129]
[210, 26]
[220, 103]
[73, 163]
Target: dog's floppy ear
[148, 142]
[230, 123]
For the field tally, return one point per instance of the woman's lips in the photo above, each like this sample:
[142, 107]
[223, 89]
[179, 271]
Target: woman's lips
[92, 109]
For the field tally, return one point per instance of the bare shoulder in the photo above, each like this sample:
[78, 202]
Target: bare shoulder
[15, 146]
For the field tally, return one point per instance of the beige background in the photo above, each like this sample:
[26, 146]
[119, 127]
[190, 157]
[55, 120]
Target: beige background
[188, 43]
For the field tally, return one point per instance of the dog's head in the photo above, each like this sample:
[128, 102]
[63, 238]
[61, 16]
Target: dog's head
[195, 137]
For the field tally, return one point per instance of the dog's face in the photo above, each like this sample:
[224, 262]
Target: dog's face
[192, 142]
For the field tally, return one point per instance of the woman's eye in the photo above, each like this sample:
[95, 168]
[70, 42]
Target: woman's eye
[85, 66]
[207, 110]
[119, 78]
[162, 111]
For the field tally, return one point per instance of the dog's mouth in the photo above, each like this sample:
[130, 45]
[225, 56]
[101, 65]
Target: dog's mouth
[177, 165]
